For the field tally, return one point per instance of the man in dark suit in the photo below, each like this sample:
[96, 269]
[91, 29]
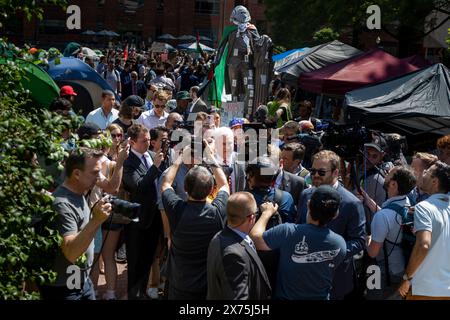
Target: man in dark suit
[141, 170]
[350, 222]
[291, 183]
[235, 272]
[197, 105]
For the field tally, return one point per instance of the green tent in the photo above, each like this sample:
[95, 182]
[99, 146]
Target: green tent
[71, 49]
[41, 86]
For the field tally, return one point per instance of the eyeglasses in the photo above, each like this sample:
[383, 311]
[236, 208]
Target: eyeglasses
[321, 172]
[158, 106]
[119, 135]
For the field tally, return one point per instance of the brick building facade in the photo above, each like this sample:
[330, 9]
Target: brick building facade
[135, 20]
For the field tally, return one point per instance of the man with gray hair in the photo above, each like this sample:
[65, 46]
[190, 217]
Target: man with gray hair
[193, 223]
[235, 271]
[228, 159]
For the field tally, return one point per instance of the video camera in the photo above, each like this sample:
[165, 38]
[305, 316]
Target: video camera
[345, 140]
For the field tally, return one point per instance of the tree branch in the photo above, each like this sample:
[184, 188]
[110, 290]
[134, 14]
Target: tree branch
[433, 29]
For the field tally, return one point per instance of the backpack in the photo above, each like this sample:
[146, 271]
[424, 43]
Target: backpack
[408, 237]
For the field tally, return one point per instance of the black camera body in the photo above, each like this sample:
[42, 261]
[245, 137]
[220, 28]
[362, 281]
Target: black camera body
[124, 208]
[345, 140]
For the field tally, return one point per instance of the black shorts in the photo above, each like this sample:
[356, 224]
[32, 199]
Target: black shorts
[107, 225]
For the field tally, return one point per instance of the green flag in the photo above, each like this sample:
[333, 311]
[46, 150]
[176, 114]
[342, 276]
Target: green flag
[218, 82]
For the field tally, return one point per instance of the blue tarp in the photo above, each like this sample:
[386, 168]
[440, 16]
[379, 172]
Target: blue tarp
[286, 53]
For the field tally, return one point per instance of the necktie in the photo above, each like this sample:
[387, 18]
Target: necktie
[145, 161]
[133, 85]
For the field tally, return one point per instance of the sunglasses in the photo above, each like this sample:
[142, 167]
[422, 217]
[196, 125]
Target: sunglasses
[159, 106]
[119, 135]
[321, 172]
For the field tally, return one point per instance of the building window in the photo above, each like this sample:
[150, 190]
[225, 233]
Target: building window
[49, 26]
[207, 6]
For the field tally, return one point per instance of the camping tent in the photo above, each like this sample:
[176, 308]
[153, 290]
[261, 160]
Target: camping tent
[72, 49]
[367, 68]
[87, 83]
[193, 47]
[415, 103]
[41, 86]
[315, 58]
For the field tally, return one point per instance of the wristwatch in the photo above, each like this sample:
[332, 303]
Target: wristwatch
[406, 278]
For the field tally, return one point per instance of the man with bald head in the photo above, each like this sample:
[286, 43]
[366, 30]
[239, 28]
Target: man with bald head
[173, 120]
[235, 272]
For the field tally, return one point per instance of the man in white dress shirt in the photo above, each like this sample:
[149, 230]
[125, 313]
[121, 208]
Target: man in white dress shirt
[157, 116]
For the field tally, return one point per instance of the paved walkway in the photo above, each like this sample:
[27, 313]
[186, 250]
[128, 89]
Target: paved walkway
[121, 289]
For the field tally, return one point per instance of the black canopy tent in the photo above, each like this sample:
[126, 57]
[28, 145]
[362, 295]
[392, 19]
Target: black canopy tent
[416, 103]
[314, 59]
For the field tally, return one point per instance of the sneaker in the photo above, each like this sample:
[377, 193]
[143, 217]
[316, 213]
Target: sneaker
[153, 293]
[121, 255]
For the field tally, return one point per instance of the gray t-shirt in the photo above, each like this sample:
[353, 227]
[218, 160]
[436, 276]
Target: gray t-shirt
[373, 185]
[73, 216]
[386, 224]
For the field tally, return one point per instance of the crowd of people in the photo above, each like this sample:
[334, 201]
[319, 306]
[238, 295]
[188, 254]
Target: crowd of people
[292, 223]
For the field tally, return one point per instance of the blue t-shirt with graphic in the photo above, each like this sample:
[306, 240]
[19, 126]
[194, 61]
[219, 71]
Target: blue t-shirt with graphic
[309, 255]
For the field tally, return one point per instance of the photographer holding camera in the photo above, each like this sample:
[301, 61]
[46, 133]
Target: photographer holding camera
[193, 223]
[77, 227]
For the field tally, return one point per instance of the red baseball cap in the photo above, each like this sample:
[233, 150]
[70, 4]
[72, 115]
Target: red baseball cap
[67, 91]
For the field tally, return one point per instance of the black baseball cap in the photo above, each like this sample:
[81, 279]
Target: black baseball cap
[379, 144]
[88, 130]
[326, 196]
[134, 101]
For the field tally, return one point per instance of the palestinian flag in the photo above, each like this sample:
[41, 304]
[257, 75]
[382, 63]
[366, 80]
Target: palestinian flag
[217, 77]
